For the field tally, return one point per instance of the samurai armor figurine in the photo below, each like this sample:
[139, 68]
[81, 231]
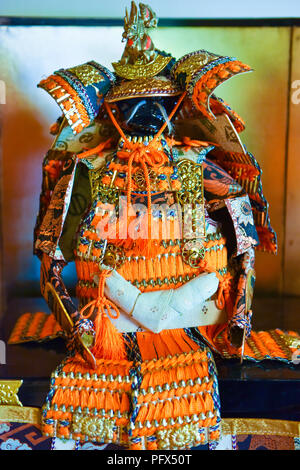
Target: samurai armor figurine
[150, 191]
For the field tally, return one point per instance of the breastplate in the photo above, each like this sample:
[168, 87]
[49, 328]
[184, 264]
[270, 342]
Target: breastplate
[172, 259]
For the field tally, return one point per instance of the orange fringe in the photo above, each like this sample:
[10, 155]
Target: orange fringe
[166, 343]
[111, 392]
[109, 343]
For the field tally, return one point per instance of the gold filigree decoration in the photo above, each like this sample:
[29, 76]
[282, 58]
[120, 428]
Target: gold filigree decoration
[139, 178]
[9, 392]
[98, 429]
[141, 70]
[140, 58]
[191, 196]
[87, 74]
[191, 176]
[178, 438]
[114, 256]
[141, 87]
[193, 64]
[260, 426]
[108, 195]
[193, 252]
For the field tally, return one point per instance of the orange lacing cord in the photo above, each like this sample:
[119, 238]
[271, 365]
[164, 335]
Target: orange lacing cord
[144, 155]
[109, 342]
[188, 143]
[96, 150]
[219, 108]
[170, 115]
[102, 303]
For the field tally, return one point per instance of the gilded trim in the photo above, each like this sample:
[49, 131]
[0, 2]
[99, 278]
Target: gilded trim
[276, 427]
[20, 414]
[229, 426]
[142, 88]
[142, 70]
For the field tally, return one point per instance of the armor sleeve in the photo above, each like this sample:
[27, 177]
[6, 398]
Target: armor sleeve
[218, 106]
[50, 229]
[52, 170]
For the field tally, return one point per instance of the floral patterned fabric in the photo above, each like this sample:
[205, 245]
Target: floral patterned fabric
[220, 191]
[242, 218]
[51, 227]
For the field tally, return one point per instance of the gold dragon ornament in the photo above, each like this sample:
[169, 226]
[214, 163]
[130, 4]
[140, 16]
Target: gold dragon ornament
[140, 59]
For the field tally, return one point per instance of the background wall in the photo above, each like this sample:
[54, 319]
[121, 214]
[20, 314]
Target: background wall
[262, 98]
[165, 8]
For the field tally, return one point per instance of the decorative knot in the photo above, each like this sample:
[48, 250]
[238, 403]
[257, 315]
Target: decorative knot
[101, 304]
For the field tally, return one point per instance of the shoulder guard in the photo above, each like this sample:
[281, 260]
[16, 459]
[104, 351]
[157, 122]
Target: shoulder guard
[79, 91]
[201, 72]
[219, 106]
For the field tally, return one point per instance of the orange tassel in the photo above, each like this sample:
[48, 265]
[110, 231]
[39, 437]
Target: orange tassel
[151, 411]
[158, 411]
[125, 404]
[137, 446]
[167, 411]
[152, 445]
[109, 342]
[142, 413]
[177, 408]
